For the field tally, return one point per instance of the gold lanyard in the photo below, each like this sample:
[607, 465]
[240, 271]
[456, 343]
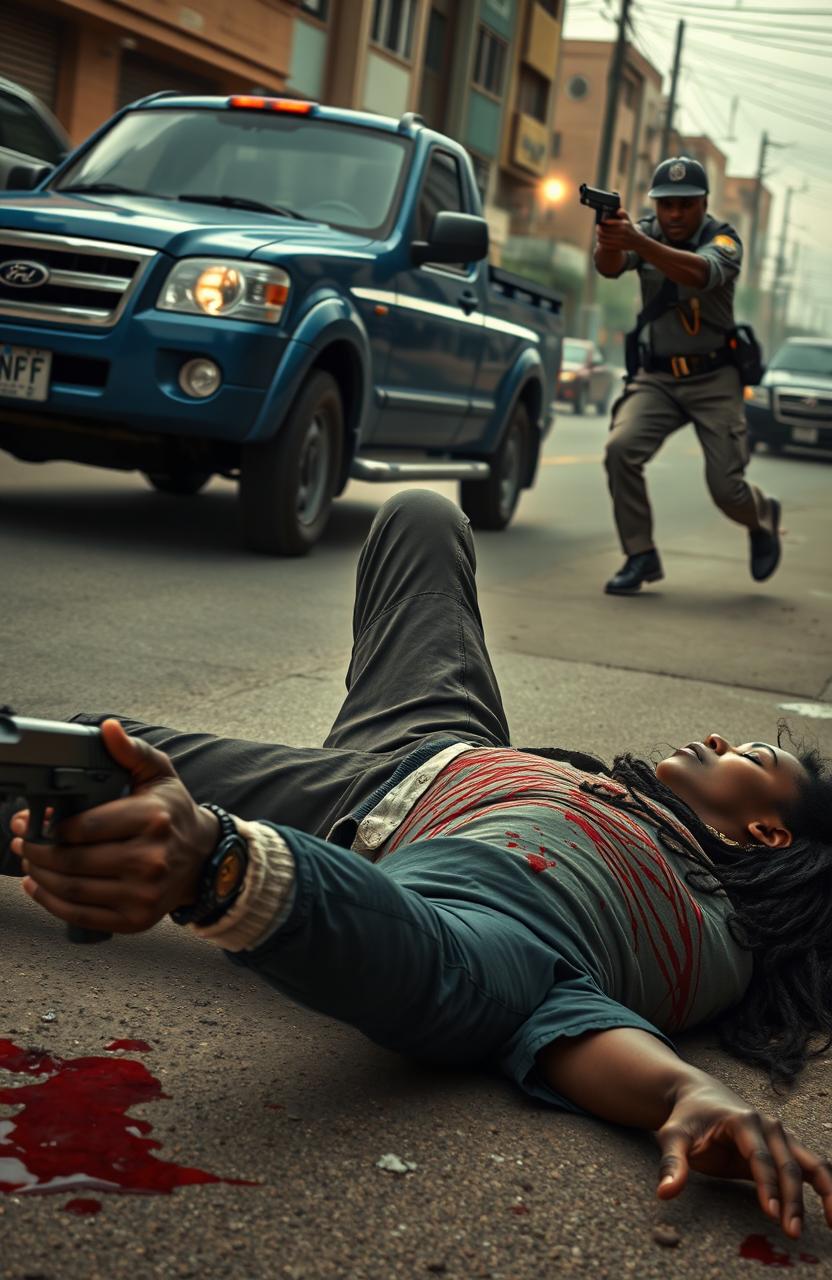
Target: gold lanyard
[689, 328]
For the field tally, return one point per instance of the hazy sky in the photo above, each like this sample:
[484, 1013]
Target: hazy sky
[776, 59]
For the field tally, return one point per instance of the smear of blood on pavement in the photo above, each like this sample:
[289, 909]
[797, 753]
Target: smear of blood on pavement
[82, 1205]
[72, 1129]
[760, 1249]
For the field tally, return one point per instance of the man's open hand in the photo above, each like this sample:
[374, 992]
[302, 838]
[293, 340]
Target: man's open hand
[122, 866]
[618, 233]
[712, 1130]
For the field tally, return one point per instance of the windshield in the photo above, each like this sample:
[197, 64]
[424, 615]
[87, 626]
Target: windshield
[575, 352]
[804, 359]
[335, 173]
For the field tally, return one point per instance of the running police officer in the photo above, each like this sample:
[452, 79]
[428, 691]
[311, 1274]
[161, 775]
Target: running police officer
[680, 367]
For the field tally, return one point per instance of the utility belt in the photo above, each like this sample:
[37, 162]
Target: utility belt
[686, 366]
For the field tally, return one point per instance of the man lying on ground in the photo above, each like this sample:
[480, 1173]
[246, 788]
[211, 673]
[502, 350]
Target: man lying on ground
[465, 902]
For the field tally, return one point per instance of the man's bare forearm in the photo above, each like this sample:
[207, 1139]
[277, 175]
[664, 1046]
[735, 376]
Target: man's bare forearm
[678, 265]
[623, 1075]
[610, 262]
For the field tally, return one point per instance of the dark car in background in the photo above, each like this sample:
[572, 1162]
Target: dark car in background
[585, 377]
[28, 133]
[792, 406]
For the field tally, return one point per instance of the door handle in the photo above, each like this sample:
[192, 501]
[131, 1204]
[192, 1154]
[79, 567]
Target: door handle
[468, 300]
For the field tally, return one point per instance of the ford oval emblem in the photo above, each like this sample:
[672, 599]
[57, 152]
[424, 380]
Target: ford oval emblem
[20, 274]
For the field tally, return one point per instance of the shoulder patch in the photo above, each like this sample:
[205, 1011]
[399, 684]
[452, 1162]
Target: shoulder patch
[726, 243]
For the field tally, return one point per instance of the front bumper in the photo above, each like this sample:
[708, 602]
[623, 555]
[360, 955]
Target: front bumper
[126, 377]
[765, 427]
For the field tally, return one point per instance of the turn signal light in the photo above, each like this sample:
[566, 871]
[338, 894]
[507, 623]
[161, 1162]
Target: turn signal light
[292, 106]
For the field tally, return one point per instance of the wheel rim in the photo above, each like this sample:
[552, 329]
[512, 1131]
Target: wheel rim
[510, 472]
[313, 470]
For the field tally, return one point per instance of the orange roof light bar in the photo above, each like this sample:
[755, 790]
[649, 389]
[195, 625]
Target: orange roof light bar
[292, 106]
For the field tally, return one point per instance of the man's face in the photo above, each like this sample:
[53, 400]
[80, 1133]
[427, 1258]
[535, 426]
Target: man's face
[679, 216]
[742, 791]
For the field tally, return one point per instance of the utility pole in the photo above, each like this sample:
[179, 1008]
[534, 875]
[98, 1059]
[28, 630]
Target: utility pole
[589, 311]
[753, 264]
[671, 102]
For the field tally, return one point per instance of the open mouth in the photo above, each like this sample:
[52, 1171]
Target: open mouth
[693, 749]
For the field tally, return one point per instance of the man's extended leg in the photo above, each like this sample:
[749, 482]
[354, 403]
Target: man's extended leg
[419, 663]
[716, 408]
[642, 421]
[419, 669]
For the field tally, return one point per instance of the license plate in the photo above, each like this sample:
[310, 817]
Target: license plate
[805, 435]
[24, 373]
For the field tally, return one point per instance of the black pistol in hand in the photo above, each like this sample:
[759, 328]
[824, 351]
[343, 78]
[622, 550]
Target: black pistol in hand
[62, 767]
[604, 203]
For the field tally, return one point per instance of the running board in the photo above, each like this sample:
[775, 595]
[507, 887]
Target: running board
[379, 472]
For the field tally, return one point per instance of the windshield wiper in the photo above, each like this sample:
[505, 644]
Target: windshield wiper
[243, 202]
[109, 189]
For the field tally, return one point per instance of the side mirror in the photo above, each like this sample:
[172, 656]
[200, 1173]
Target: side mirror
[454, 237]
[25, 177]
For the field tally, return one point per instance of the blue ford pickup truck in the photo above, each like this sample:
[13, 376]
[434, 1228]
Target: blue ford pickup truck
[274, 291]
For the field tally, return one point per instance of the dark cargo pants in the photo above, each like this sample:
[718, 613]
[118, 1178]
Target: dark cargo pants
[653, 407]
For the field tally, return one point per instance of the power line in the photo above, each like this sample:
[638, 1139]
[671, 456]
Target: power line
[720, 8]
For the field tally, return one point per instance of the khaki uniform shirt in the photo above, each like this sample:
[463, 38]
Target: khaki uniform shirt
[671, 334]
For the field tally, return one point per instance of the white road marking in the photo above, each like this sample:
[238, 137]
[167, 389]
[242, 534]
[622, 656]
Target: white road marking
[814, 710]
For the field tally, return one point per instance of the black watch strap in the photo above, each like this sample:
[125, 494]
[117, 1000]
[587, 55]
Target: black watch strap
[223, 874]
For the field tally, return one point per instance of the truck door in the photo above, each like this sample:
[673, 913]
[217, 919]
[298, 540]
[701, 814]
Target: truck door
[438, 329]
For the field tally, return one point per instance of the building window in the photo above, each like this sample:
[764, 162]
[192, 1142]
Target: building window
[317, 8]
[623, 156]
[393, 25]
[556, 141]
[577, 87]
[490, 65]
[435, 42]
[551, 6]
[533, 97]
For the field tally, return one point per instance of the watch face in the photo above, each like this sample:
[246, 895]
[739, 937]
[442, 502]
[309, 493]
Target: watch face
[229, 874]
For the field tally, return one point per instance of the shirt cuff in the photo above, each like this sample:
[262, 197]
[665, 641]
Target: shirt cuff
[266, 896]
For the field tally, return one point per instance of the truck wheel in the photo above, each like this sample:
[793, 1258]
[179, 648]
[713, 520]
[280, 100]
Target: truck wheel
[287, 484]
[490, 504]
[183, 482]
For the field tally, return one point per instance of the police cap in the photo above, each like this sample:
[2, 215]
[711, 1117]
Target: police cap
[679, 176]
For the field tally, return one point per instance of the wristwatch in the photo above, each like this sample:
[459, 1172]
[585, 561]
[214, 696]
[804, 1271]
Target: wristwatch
[223, 875]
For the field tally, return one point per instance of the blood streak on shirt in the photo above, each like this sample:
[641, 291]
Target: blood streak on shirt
[583, 849]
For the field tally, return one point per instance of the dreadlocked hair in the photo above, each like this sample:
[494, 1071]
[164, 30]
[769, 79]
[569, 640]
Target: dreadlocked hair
[781, 903]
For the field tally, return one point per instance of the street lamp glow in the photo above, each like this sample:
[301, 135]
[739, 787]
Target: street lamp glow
[554, 189]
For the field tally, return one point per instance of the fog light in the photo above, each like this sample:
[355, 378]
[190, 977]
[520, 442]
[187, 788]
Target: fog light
[200, 378]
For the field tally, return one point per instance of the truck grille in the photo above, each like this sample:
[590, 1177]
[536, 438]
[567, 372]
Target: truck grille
[801, 407]
[87, 282]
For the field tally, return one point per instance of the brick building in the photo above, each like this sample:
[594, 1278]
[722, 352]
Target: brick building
[86, 58]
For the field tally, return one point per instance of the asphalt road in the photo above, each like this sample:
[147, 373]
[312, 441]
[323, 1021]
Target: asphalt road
[118, 598]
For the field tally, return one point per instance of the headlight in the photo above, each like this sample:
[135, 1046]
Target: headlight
[757, 395]
[218, 287]
[568, 377]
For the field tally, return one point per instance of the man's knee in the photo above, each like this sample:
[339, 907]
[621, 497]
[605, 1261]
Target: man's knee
[620, 454]
[421, 511]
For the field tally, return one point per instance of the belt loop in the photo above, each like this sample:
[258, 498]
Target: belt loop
[685, 368]
[673, 366]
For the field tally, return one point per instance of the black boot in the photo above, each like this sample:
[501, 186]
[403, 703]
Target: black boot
[644, 567]
[765, 547]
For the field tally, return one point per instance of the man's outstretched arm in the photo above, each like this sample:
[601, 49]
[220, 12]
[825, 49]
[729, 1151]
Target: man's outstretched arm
[630, 1077]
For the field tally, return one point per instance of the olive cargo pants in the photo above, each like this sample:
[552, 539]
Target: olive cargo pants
[653, 406]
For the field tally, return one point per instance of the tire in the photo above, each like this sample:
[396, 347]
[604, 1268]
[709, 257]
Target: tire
[579, 403]
[287, 484]
[490, 504]
[183, 482]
